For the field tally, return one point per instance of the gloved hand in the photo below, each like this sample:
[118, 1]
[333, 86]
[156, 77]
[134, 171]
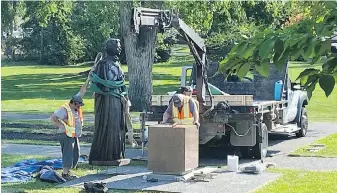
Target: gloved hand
[196, 123]
[70, 131]
[68, 128]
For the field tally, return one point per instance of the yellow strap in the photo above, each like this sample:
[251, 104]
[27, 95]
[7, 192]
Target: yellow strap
[70, 127]
[71, 119]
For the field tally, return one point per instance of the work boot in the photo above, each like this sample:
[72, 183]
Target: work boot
[68, 177]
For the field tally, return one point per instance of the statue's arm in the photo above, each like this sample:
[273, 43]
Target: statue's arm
[85, 86]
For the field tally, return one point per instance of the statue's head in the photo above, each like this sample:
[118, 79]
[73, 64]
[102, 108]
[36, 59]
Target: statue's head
[113, 47]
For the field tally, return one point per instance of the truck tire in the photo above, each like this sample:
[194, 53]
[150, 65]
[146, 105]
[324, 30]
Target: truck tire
[303, 123]
[245, 152]
[260, 149]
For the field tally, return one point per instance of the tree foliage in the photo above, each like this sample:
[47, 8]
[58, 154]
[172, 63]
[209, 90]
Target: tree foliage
[197, 14]
[310, 37]
[222, 23]
[10, 11]
[51, 22]
[95, 21]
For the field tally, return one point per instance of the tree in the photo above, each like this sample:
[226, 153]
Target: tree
[140, 52]
[309, 37]
[51, 23]
[7, 16]
[197, 14]
[94, 22]
[10, 11]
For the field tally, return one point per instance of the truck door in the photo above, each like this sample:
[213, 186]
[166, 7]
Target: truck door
[292, 98]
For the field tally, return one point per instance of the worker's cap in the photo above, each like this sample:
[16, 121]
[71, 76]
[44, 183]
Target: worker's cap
[177, 100]
[77, 99]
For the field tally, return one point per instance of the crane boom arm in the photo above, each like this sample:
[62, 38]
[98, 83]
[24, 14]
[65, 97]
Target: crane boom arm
[165, 19]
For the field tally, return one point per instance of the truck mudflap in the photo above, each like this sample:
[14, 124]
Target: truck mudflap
[243, 133]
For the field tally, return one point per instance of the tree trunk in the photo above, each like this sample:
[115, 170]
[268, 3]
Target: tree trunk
[140, 51]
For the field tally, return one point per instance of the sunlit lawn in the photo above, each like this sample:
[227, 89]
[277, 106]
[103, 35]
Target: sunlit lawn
[31, 88]
[299, 181]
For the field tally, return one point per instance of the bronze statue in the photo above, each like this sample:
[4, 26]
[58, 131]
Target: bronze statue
[111, 105]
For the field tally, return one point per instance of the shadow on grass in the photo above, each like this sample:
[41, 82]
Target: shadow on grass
[49, 86]
[7, 63]
[163, 89]
[31, 86]
[160, 76]
[176, 63]
[23, 187]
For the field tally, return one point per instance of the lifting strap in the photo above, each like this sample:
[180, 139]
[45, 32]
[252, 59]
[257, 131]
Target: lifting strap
[114, 85]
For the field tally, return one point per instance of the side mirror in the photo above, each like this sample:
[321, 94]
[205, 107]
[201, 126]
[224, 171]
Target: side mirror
[296, 86]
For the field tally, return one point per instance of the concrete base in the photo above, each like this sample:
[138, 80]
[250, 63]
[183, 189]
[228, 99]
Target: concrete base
[140, 158]
[184, 177]
[114, 171]
[120, 162]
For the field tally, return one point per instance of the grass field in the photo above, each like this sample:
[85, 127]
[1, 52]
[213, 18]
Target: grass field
[330, 149]
[320, 108]
[42, 89]
[31, 88]
[298, 181]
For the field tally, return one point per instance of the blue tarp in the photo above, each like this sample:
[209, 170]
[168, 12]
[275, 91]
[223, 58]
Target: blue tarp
[23, 171]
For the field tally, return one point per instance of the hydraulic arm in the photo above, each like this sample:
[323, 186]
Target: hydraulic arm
[164, 19]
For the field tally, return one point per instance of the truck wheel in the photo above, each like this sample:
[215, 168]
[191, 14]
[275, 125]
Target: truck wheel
[303, 123]
[245, 152]
[260, 149]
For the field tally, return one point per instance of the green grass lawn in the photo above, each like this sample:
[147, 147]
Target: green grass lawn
[42, 89]
[298, 181]
[330, 149]
[31, 88]
[320, 108]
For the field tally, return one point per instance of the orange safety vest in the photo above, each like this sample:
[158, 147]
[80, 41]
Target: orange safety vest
[70, 130]
[183, 117]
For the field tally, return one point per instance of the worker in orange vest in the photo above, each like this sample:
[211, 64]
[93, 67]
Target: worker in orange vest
[188, 92]
[182, 110]
[69, 120]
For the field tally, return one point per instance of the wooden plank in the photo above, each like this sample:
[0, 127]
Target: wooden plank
[233, 100]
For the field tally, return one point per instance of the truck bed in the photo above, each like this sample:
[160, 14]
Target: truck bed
[265, 102]
[233, 100]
